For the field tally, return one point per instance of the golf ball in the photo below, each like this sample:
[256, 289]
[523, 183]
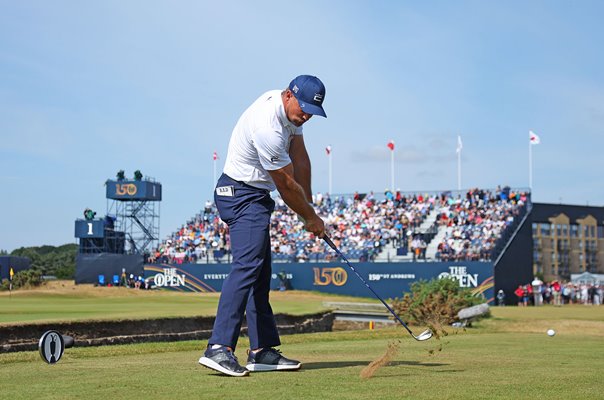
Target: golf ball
[551, 332]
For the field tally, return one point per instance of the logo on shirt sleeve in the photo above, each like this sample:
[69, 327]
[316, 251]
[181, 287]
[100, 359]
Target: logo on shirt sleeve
[274, 159]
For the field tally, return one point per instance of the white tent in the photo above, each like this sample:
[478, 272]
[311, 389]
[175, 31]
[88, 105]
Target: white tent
[588, 278]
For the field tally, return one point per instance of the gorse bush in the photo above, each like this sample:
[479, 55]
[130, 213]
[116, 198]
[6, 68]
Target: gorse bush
[24, 279]
[435, 302]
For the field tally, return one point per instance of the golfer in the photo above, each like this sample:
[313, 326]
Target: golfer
[266, 152]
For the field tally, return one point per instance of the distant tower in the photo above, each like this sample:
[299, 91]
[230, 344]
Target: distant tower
[136, 206]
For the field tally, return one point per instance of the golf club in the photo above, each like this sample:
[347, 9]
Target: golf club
[427, 334]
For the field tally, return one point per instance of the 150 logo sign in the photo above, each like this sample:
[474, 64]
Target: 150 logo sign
[123, 189]
[330, 276]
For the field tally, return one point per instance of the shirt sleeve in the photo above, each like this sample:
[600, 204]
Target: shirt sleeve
[272, 149]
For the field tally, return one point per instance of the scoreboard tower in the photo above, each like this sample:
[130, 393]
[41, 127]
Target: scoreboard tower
[131, 225]
[119, 242]
[136, 206]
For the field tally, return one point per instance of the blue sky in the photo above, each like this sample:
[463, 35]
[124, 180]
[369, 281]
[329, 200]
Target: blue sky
[89, 88]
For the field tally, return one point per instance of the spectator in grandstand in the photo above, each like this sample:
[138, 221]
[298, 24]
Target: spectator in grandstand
[208, 207]
[415, 248]
[422, 248]
[475, 223]
[266, 152]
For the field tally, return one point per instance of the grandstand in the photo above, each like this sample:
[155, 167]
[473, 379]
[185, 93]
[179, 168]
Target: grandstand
[472, 225]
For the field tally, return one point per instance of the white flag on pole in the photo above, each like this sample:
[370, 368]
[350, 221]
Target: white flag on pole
[459, 144]
[533, 138]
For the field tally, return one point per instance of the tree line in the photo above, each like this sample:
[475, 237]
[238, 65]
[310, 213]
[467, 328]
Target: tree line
[57, 261]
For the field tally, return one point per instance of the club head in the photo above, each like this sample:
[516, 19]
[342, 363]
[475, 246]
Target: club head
[425, 335]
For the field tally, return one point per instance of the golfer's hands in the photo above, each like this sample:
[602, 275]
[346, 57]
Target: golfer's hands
[315, 225]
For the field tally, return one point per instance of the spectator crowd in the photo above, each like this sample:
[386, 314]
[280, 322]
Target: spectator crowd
[557, 293]
[361, 225]
[474, 224]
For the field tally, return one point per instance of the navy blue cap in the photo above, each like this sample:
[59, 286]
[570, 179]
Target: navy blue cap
[310, 93]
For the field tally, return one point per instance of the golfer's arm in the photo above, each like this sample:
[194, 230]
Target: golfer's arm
[291, 192]
[301, 164]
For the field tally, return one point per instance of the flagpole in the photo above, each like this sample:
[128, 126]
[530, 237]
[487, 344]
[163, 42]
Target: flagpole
[459, 170]
[458, 151]
[214, 158]
[10, 282]
[530, 166]
[330, 170]
[390, 145]
[392, 170]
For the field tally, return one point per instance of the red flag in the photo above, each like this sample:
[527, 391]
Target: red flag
[328, 150]
[215, 156]
[391, 145]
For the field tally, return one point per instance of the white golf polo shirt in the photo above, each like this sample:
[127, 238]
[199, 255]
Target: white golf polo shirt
[260, 142]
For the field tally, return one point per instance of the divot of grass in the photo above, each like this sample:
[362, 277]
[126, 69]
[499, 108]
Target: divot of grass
[391, 352]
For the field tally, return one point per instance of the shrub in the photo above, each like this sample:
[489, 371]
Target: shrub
[24, 279]
[434, 302]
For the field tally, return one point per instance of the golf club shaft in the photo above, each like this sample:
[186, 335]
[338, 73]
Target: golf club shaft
[333, 246]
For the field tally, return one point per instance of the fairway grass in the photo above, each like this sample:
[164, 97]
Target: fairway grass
[470, 366]
[62, 301]
[506, 357]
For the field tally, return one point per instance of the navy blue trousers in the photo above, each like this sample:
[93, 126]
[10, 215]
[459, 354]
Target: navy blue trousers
[246, 289]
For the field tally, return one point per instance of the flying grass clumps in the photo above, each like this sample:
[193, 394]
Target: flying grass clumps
[437, 301]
